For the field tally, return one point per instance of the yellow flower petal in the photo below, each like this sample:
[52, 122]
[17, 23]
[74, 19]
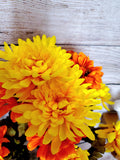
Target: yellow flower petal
[118, 142]
[22, 108]
[69, 133]
[27, 114]
[109, 147]
[53, 131]
[111, 136]
[76, 131]
[55, 145]
[62, 132]
[25, 82]
[7, 48]
[22, 120]
[31, 131]
[35, 122]
[46, 75]
[87, 131]
[117, 126]
[47, 138]
[62, 104]
[42, 128]
[117, 150]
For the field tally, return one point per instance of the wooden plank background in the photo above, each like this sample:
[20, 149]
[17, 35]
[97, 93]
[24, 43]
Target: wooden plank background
[90, 26]
[81, 22]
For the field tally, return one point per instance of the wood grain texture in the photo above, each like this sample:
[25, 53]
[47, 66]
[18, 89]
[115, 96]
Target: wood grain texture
[91, 22]
[107, 57]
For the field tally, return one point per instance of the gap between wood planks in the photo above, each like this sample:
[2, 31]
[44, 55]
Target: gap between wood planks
[99, 45]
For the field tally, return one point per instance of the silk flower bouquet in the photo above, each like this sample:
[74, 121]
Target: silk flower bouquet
[51, 96]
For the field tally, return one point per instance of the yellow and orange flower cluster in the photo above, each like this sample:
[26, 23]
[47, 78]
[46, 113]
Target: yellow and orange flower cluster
[55, 92]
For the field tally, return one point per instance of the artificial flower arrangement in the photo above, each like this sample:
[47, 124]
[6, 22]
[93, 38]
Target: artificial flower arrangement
[51, 96]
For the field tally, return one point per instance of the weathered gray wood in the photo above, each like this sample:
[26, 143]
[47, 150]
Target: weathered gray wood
[93, 22]
[107, 57]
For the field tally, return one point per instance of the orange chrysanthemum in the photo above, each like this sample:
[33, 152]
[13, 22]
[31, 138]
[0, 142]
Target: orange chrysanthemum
[44, 151]
[5, 104]
[90, 73]
[3, 150]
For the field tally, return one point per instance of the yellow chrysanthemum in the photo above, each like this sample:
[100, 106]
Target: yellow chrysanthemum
[31, 64]
[112, 133]
[79, 155]
[104, 95]
[60, 111]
